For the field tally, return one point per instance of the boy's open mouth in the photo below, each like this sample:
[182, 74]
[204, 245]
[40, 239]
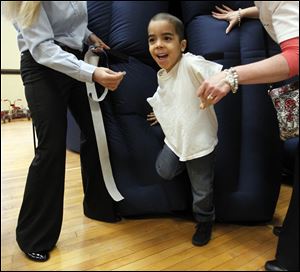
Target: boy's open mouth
[162, 56]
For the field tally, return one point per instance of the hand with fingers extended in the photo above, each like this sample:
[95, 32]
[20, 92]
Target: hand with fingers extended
[108, 78]
[232, 16]
[151, 118]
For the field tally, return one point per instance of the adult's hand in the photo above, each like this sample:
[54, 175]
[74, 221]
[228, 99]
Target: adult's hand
[213, 89]
[98, 44]
[227, 14]
[108, 78]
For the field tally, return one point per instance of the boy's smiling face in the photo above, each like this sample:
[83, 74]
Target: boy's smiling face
[164, 44]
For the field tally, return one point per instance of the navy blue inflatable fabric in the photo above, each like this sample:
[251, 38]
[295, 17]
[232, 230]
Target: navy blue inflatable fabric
[247, 169]
[123, 24]
[133, 143]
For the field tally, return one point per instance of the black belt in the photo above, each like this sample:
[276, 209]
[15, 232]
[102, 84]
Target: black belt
[68, 49]
[75, 52]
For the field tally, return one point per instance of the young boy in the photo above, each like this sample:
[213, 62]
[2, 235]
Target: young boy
[190, 131]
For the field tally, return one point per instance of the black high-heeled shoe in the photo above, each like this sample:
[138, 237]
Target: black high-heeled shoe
[277, 230]
[41, 256]
[274, 266]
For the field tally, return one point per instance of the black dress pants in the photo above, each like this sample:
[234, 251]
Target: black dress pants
[287, 253]
[49, 94]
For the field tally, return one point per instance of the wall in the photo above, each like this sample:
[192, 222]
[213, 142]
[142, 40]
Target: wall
[11, 85]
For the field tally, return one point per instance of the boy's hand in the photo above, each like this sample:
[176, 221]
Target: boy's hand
[205, 102]
[152, 119]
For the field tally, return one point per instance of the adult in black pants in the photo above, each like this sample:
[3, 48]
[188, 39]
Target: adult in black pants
[287, 254]
[51, 37]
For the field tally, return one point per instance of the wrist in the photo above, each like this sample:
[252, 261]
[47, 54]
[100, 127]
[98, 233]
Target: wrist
[232, 79]
[94, 76]
[91, 38]
[239, 16]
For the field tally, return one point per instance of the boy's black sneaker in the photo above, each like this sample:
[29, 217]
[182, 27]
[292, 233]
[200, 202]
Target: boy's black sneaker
[202, 234]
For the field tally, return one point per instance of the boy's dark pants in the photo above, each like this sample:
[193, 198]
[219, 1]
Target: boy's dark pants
[201, 174]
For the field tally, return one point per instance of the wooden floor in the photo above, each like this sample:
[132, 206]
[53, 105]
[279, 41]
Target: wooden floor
[130, 245]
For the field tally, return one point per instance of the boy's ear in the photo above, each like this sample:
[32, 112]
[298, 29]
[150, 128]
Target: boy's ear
[183, 45]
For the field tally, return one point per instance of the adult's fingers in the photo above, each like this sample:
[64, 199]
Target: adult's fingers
[112, 79]
[203, 90]
[219, 16]
[228, 29]
[221, 10]
[227, 8]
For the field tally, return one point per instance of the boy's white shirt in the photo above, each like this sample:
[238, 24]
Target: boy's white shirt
[190, 132]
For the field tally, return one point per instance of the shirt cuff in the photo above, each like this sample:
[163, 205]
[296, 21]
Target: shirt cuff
[290, 51]
[86, 71]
